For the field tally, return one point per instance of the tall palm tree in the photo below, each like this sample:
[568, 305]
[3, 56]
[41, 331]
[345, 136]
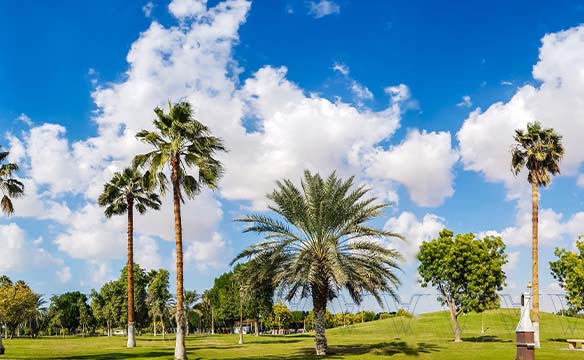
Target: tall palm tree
[320, 242]
[10, 187]
[180, 144]
[124, 192]
[540, 151]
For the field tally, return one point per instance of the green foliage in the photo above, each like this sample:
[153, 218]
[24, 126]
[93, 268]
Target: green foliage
[109, 305]
[158, 295]
[320, 242]
[538, 149]
[319, 239]
[125, 189]
[568, 270]
[10, 187]
[17, 303]
[466, 271]
[180, 139]
[64, 310]
[141, 278]
[281, 316]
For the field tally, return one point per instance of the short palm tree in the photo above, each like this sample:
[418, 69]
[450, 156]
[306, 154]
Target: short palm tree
[540, 151]
[190, 300]
[180, 144]
[319, 242]
[10, 187]
[124, 192]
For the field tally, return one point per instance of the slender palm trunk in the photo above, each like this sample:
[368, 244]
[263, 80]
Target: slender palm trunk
[212, 322]
[187, 316]
[319, 299]
[535, 260]
[131, 331]
[240, 321]
[454, 321]
[179, 349]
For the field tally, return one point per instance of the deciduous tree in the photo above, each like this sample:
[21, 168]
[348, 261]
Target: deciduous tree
[466, 271]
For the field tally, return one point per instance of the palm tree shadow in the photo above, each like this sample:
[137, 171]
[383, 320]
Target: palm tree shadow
[386, 348]
[341, 351]
[115, 356]
[486, 338]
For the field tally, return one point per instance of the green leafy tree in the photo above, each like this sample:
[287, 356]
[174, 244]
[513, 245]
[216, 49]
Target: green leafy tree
[11, 188]
[140, 280]
[17, 302]
[65, 308]
[108, 305]
[180, 144]
[540, 151]
[568, 270]
[258, 293]
[124, 192]
[281, 316]
[85, 316]
[158, 296]
[466, 271]
[320, 242]
[225, 299]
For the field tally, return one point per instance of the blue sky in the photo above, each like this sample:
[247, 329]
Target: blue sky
[418, 99]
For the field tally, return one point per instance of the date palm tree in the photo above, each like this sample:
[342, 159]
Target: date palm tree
[10, 187]
[124, 192]
[180, 144]
[319, 242]
[540, 151]
[190, 300]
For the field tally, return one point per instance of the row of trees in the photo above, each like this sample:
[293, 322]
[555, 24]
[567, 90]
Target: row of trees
[318, 240]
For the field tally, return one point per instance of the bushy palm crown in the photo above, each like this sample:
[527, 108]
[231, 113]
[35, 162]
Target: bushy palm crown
[320, 241]
[10, 187]
[124, 186]
[540, 150]
[181, 138]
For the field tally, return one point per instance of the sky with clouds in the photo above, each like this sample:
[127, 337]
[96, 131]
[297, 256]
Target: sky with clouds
[417, 99]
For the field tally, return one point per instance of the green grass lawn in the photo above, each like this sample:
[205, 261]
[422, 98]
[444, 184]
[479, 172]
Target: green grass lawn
[427, 336]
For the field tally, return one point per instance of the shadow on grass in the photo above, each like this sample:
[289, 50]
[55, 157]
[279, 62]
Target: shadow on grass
[485, 338]
[114, 356]
[341, 351]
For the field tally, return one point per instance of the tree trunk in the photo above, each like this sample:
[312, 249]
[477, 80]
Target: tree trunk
[454, 321]
[1, 346]
[187, 323]
[212, 322]
[179, 349]
[535, 260]
[154, 325]
[319, 300]
[257, 328]
[240, 321]
[163, 330]
[131, 331]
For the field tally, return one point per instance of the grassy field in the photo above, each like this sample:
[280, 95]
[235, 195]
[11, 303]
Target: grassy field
[427, 336]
